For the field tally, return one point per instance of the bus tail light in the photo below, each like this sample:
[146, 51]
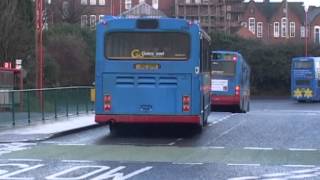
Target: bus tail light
[237, 90]
[107, 102]
[186, 103]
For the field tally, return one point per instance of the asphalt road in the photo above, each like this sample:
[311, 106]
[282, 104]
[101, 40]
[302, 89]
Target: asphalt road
[277, 139]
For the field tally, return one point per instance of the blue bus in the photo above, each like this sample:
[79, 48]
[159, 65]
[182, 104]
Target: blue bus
[152, 71]
[305, 79]
[230, 84]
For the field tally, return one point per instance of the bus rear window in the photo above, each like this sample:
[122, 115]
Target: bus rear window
[147, 46]
[223, 68]
[303, 65]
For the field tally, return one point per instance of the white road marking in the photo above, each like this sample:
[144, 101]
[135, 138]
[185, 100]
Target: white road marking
[213, 147]
[298, 149]
[258, 148]
[76, 161]
[298, 165]
[232, 164]
[174, 142]
[67, 144]
[221, 119]
[30, 160]
[302, 176]
[244, 178]
[274, 175]
[304, 171]
[191, 163]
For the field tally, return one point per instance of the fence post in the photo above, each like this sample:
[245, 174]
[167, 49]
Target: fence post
[77, 99]
[87, 99]
[67, 104]
[55, 104]
[42, 104]
[28, 106]
[12, 109]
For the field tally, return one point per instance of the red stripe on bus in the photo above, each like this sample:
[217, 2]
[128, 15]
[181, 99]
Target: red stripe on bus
[147, 119]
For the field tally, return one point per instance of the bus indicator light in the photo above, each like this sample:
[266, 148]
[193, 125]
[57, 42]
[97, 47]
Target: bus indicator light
[107, 102]
[237, 90]
[186, 103]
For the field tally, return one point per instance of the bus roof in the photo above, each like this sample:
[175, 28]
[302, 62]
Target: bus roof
[226, 52]
[305, 58]
[176, 23]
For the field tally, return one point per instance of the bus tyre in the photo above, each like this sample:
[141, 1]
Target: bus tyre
[114, 128]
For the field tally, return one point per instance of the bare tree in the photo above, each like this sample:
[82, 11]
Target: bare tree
[69, 11]
[16, 29]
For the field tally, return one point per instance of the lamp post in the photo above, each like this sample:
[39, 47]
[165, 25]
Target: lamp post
[306, 30]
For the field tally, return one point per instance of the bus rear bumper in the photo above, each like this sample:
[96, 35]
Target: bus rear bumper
[147, 119]
[225, 100]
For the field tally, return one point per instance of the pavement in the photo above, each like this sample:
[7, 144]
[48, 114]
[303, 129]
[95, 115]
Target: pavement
[48, 129]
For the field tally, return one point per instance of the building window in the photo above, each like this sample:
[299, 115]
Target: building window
[84, 21]
[229, 8]
[276, 29]
[259, 29]
[65, 9]
[93, 21]
[205, 1]
[128, 4]
[244, 24]
[228, 16]
[101, 18]
[303, 32]
[197, 1]
[155, 4]
[84, 2]
[292, 29]
[102, 2]
[317, 34]
[93, 2]
[188, 1]
[284, 28]
[252, 25]
[141, 1]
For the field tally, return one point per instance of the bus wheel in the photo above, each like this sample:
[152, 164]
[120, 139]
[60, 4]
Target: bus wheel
[114, 128]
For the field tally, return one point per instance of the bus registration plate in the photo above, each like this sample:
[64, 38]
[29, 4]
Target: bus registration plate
[147, 66]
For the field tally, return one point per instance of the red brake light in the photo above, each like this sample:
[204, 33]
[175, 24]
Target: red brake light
[234, 58]
[107, 98]
[186, 108]
[237, 90]
[186, 103]
[107, 107]
[107, 102]
[186, 99]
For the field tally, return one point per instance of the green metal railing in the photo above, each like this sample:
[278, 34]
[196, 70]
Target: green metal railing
[21, 107]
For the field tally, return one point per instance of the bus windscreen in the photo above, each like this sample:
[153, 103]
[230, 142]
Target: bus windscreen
[223, 68]
[303, 65]
[147, 46]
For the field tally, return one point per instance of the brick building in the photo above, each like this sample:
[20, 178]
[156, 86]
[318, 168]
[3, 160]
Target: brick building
[274, 21]
[88, 12]
[313, 20]
[211, 14]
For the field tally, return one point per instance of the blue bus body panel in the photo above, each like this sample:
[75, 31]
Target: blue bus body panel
[147, 93]
[157, 91]
[305, 84]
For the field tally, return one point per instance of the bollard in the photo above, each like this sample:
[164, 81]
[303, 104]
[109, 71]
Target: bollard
[12, 109]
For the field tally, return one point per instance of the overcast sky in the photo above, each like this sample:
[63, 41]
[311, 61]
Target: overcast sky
[307, 2]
